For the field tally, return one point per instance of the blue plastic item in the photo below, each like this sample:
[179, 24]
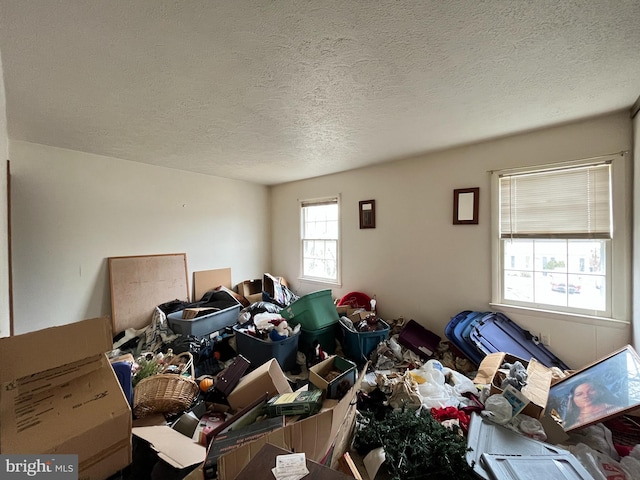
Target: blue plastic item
[357, 346]
[458, 332]
[259, 351]
[123, 373]
[496, 332]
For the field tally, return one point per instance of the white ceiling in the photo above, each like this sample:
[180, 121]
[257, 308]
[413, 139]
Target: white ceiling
[272, 91]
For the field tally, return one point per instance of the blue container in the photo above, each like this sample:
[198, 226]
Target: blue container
[357, 346]
[259, 351]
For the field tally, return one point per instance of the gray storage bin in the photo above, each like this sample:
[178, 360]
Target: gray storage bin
[203, 326]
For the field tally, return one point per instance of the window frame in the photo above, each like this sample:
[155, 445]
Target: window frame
[309, 278]
[618, 267]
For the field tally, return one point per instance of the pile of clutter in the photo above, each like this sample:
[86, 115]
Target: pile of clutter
[269, 326]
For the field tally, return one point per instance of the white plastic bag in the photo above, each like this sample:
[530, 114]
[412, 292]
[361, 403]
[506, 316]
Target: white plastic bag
[599, 465]
[498, 409]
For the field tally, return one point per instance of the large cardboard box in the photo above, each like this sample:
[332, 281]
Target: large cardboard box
[323, 437]
[60, 395]
[538, 381]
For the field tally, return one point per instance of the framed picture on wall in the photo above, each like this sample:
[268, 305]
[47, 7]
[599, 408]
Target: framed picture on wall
[367, 211]
[465, 206]
[604, 389]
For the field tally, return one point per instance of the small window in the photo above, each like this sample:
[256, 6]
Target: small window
[320, 235]
[555, 238]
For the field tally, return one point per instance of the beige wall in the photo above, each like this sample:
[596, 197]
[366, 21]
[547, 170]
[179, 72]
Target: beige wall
[71, 211]
[417, 263]
[4, 239]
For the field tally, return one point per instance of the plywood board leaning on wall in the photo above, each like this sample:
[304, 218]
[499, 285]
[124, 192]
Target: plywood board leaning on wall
[206, 280]
[140, 283]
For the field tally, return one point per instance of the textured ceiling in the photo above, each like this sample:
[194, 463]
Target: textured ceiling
[272, 91]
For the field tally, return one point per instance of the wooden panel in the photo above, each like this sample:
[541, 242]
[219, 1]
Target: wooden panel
[208, 279]
[140, 283]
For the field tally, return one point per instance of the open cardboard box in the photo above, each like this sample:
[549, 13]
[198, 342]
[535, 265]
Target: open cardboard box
[181, 451]
[323, 437]
[538, 380]
[60, 395]
[341, 383]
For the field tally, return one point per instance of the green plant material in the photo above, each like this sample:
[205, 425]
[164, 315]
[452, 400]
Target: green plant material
[147, 368]
[416, 446]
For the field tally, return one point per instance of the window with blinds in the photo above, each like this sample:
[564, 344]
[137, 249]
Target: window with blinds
[320, 239]
[567, 203]
[555, 232]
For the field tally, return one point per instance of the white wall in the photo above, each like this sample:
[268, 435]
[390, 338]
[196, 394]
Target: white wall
[71, 211]
[636, 229]
[420, 265]
[4, 238]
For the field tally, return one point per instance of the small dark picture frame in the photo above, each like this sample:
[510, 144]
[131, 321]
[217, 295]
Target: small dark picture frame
[367, 210]
[465, 206]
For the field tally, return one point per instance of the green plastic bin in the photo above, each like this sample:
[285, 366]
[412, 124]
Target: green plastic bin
[325, 336]
[312, 311]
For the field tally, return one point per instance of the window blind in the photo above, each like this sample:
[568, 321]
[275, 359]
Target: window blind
[571, 202]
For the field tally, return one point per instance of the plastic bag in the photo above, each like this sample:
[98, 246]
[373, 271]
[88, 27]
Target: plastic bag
[531, 427]
[498, 409]
[600, 466]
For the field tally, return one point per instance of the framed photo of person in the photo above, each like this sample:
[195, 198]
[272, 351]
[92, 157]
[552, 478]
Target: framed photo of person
[604, 389]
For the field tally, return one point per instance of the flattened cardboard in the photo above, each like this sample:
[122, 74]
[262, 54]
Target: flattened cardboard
[76, 404]
[538, 381]
[206, 280]
[176, 449]
[317, 435]
[267, 378]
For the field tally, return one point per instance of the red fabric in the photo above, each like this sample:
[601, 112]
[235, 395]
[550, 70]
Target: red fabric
[448, 413]
[355, 300]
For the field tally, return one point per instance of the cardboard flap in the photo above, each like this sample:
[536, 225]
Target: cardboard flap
[53, 347]
[173, 447]
[488, 367]
[538, 383]
[267, 378]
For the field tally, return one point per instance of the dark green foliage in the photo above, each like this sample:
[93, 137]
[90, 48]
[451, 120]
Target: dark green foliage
[416, 446]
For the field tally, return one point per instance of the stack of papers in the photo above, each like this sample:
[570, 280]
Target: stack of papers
[290, 467]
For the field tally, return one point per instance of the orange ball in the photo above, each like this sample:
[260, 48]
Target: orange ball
[206, 384]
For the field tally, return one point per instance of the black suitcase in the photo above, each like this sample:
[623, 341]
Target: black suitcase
[496, 332]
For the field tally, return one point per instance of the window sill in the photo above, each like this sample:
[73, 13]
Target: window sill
[319, 281]
[564, 316]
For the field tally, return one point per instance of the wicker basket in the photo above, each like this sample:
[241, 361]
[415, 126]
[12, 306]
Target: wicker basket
[167, 393]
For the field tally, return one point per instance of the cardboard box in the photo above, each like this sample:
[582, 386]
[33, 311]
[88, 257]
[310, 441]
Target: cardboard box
[340, 384]
[323, 437]
[191, 313]
[538, 381]
[59, 395]
[251, 290]
[267, 378]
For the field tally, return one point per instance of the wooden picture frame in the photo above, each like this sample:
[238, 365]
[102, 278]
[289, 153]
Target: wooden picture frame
[367, 213]
[606, 388]
[465, 206]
